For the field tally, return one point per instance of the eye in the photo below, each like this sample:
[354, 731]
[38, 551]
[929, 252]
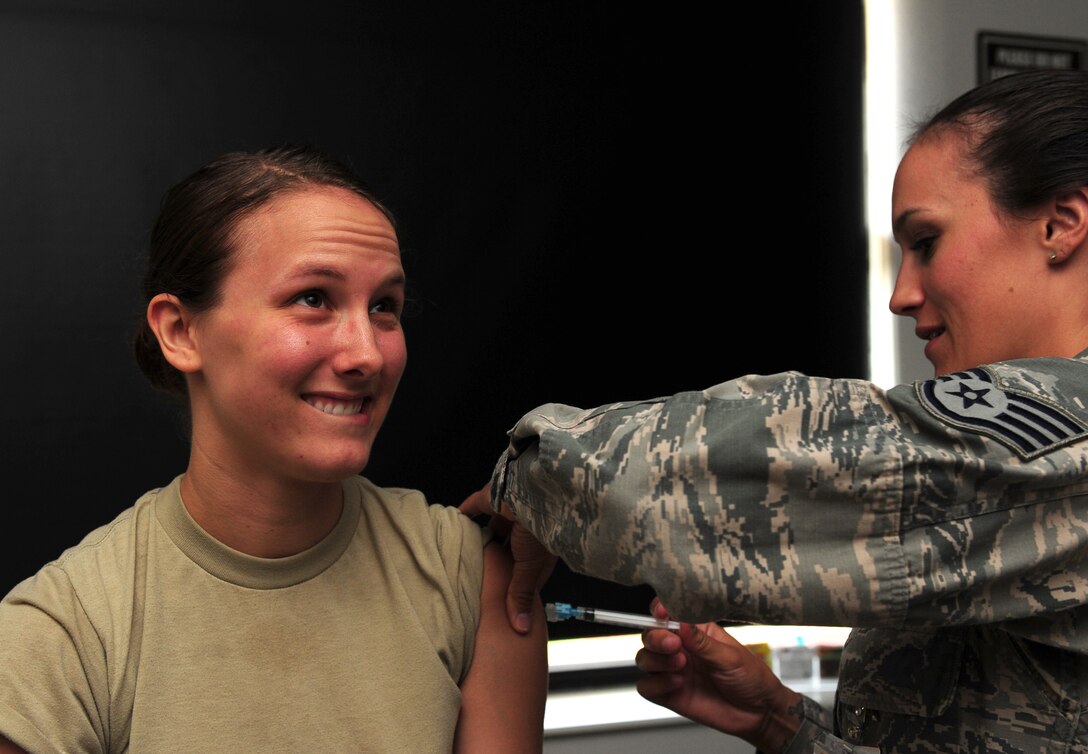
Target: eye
[924, 246]
[387, 306]
[311, 299]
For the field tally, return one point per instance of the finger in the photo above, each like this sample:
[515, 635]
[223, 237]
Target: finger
[649, 661]
[720, 651]
[500, 526]
[658, 687]
[478, 507]
[697, 639]
[520, 598]
[662, 641]
[658, 609]
[533, 564]
[532, 555]
[711, 631]
[479, 502]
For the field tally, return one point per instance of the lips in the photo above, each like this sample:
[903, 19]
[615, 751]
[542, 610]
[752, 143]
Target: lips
[928, 333]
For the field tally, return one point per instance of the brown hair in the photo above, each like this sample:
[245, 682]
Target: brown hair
[1027, 134]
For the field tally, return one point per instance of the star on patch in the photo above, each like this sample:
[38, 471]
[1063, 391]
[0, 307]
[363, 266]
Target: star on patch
[968, 397]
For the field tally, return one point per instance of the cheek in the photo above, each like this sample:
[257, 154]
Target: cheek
[949, 282]
[286, 352]
[290, 342]
[394, 351]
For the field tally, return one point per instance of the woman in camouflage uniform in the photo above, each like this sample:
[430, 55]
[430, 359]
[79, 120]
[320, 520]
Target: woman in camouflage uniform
[946, 520]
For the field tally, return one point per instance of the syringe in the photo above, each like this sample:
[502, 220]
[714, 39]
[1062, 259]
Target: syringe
[557, 611]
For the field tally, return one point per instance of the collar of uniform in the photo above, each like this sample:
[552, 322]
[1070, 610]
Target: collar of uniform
[245, 570]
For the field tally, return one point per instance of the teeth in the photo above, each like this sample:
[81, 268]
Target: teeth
[336, 408]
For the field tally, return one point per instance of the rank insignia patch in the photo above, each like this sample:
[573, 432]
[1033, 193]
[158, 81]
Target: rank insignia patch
[970, 400]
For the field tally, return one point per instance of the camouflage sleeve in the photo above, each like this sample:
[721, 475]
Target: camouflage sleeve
[815, 736]
[802, 500]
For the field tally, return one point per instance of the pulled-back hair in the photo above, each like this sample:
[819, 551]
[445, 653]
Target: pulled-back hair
[1026, 133]
[191, 242]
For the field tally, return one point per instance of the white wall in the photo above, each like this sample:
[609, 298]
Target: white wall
[934, 51]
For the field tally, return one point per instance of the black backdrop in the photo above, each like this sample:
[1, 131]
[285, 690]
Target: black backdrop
[596, 204]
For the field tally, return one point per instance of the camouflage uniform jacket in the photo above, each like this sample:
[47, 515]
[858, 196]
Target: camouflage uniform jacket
[946, 521]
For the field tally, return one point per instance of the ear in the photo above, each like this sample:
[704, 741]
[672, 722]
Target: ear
[1066, 224]
[171, 322]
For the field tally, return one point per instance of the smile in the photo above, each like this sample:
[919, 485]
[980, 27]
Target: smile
[336, 408]
[929, 333]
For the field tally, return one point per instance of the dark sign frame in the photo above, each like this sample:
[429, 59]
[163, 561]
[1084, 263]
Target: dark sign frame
[1000, 54]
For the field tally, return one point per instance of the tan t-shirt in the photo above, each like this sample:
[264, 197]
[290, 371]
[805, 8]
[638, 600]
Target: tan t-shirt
[150, 636]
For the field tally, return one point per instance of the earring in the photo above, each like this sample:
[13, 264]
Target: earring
[1053, 255]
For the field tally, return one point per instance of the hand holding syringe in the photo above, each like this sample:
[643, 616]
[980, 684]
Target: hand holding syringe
[557, 611]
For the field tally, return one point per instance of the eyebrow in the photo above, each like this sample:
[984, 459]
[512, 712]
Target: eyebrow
[897, 226]
[335, 274]
[317, 271]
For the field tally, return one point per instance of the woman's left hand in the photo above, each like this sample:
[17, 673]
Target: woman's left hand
[533, 563]
[702, 673]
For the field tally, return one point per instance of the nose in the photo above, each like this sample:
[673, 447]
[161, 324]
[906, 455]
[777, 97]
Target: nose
[907, 296]
[358, 352]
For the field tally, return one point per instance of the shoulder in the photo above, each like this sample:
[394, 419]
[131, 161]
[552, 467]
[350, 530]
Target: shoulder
[1031, 406]
[405, 515]
[409, 504]
[81, 604]
[103, 557]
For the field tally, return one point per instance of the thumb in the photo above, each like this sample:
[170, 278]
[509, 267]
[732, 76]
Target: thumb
[699, 643]
[478, 503]
[533, 564]
[716, 648]
[694, 640]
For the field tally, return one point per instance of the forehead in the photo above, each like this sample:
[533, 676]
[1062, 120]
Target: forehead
[318, 212]
[327, 229]
[936, 171]
[935, 158]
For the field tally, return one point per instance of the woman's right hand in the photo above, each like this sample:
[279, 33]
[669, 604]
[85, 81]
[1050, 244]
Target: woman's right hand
[705, 675]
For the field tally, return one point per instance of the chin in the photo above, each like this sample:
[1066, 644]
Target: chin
[337, 469]
[943, 366]
[343, 471]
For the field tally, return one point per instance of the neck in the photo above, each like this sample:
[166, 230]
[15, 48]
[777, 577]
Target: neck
[265, 518]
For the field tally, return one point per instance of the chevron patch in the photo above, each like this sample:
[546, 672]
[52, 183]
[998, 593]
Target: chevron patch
[971, 401]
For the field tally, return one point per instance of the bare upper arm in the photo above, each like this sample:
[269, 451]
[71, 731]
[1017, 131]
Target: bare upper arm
[7, 747]
[505, 690]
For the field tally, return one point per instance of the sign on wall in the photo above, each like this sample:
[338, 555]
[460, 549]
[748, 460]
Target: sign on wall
[1002, 54]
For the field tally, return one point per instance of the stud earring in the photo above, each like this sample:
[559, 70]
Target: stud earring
[1053, 255]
